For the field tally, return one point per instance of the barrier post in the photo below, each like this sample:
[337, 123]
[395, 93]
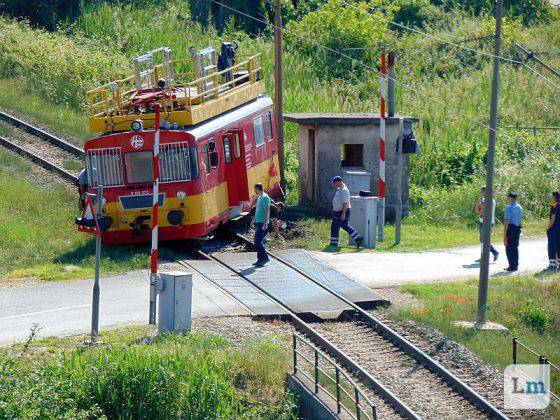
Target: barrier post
[96, 291]
[382, 183]
[155, 212]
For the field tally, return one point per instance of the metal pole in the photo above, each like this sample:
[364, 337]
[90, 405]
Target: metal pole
[95, 302]
[391, 84]
[155, 213]
[381, 214]
[278, 90]
[489, 194]
[398, 210]
[514, 342]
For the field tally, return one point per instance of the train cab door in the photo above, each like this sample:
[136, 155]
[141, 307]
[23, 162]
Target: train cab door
[235, 167]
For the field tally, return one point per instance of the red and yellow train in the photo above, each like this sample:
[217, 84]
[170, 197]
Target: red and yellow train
[216, 141]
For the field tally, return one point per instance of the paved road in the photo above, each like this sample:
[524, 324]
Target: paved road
[64, 308]
[381, 269]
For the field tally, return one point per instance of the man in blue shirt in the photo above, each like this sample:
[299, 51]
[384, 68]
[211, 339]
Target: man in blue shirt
[512, 231]
[262, 218]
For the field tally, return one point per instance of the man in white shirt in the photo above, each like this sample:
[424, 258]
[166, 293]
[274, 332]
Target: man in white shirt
[341, 214]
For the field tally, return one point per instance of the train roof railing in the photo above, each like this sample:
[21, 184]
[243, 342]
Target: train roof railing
[186, 94]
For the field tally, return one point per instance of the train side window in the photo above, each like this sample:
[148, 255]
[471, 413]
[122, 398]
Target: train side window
[236, 145]
[258, 129]
[193, 154]
[206, 157]
[227, 150]
[214, 160]
[268, 126]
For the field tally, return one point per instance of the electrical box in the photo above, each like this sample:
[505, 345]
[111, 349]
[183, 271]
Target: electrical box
[175, 301]
[357, 180]
[363, 218]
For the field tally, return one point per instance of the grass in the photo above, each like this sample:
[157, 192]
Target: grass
[523, 304]
[133, 375]
[314, 234]
[15, 97]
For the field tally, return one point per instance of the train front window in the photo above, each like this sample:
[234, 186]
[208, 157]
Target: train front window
[139, 167]
[175, 164]
[269, 126]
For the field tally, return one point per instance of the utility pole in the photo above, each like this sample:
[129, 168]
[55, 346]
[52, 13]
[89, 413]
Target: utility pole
[489, 194]
[278, 90]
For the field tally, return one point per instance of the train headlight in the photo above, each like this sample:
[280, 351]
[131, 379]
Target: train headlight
[137, 125]
[181, 195]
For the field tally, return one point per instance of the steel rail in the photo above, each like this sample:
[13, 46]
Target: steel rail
[37, 132]
[402, 343]
[39, 160]
[346, 361]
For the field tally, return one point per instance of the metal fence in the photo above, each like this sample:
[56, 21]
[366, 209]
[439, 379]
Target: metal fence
[329, 379]
[517, 345]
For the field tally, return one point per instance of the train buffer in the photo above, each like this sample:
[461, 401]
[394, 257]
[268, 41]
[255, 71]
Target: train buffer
[189, 90]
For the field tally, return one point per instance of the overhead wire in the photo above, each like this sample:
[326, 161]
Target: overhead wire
[354, 60]
[457, 45]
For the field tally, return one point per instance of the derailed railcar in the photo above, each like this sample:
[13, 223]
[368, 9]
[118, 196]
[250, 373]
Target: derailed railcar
[216, 142]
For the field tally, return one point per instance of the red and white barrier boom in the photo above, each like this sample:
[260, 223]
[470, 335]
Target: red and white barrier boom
[155, 211]
[382, 184]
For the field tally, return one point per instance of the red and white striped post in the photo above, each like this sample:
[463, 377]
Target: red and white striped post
[382, 184]
[155, 212]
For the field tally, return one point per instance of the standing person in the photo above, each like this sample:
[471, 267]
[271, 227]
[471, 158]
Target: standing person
[512, 231]
[553, 232]
[262, 218]
[341, 214]
[480, 211]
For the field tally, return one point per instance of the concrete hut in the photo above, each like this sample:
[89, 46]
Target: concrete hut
[347, 145]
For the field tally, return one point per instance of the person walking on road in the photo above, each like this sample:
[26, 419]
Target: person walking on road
[341, 214]
[480, 211]
[262, 218]
[553, 232]
[512, 231]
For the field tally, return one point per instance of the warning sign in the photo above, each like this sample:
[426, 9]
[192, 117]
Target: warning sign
[88, 222]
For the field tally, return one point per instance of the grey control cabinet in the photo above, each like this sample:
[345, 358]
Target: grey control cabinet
[175, 301]
[364, 218]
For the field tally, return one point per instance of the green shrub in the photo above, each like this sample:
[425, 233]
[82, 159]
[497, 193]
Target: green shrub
[58, 67]
[194, 376]
[337, 26]
[534, 316]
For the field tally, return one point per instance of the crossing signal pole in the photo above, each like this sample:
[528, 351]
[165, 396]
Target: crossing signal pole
[489, 193]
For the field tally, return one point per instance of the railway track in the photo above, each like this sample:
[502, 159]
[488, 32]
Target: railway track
[405, 381]
[42, 148]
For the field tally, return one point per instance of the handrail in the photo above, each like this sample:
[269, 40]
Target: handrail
[359, 399]
[112, 97]
[542, 361]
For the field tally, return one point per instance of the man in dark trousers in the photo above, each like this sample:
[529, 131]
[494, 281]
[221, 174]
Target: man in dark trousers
[553, 232]
[512, 231]
[341, 214]
[262, 219]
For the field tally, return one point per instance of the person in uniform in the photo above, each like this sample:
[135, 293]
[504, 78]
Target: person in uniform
[480, 212]
[512, 231]
[82, 188]
[262, 218]
[341, 214]
[553, 232]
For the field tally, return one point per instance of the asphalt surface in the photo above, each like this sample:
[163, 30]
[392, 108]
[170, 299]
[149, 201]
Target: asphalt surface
[64, 308]
[390, 269]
